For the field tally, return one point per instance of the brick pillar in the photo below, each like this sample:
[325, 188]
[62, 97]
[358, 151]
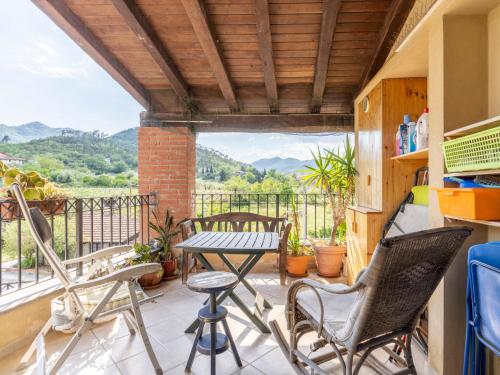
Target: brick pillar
[166, 166]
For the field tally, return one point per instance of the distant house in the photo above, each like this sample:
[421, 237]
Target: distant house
[11, 160]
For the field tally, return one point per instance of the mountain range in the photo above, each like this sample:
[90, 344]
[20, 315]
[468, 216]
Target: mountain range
[206, 158]
[28, 132]
[282, 165]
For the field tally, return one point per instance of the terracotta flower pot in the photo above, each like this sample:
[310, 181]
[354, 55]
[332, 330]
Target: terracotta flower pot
[329, 259]
[296, 266]
[151, 280]
[169, 269]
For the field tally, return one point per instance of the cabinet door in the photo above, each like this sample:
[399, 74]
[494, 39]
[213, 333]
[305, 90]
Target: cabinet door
[369, 151]
[356, 243]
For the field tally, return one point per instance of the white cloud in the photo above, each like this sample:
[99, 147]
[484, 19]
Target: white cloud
[41, 57]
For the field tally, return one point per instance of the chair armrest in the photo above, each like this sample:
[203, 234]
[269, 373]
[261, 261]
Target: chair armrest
[104, 253]
[314, 286]
[125, 274]
[326, 287]
[360, 274]
[285, 232]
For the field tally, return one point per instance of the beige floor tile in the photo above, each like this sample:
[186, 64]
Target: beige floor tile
[125, 347]
[111, 330]
[140, 364]
[225, 363]
[273, 363]
[167, 330]
[95, 361]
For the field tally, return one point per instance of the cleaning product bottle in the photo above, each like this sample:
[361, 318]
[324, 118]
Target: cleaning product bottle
[403, 133]
[423, 130]
[397, 147]
[412, 136]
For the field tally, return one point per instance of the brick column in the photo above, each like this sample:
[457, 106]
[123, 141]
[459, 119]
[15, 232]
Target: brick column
[166, 166]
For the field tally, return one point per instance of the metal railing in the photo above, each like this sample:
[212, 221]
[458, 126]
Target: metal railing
[313, 209]
[79, 226]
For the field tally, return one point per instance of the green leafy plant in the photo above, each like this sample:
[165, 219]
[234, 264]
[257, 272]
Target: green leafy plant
[143, 255]
[33, 186]
[334, 172]
[295, 246]
[166, 230]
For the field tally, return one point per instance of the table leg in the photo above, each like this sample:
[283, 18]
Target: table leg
[233, 269]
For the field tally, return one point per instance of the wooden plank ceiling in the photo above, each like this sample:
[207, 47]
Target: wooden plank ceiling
[195, 58]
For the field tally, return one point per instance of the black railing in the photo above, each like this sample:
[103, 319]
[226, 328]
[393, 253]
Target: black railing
[79, 226]
[313, 209]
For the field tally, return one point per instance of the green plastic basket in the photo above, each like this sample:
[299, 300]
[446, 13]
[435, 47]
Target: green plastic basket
[473, 152]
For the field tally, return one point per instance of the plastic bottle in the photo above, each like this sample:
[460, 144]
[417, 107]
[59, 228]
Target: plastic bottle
[398, 142]
[423, 130]
[412, 136]
[403, 134]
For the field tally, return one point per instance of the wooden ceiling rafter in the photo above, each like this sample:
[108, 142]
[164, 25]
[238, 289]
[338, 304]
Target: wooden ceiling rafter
[198, 17]
[260, 123]
[140, 26]
[328, 23]
[264, 37]
[396, 17]
[66, 19]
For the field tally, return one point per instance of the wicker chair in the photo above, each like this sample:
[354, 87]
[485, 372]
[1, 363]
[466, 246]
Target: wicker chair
[382, 306]
[86, 300]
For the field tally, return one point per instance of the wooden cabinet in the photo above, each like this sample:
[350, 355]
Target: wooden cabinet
[363, 232]
[382, 183]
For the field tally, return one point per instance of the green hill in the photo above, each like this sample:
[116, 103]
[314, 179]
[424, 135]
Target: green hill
[93, 159]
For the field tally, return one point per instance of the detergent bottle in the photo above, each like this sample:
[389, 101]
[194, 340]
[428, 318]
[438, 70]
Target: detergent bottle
[423, 130]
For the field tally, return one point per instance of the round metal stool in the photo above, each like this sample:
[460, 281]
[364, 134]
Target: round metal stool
[215, 342]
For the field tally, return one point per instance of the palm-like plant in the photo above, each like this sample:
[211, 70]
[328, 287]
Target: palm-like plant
[166, 231]
[334, 173]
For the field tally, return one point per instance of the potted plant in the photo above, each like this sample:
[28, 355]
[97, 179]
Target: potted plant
[334, 173]
[38, 191]
[166, 231]
[297, 260]
[144, 255]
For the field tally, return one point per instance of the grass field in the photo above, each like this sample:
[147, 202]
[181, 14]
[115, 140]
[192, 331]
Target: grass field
[98, 192]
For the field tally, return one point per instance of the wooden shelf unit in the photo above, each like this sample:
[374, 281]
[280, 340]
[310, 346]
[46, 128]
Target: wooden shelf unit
[416, 155]
[474, 128]
[473, 173]
[483, 222]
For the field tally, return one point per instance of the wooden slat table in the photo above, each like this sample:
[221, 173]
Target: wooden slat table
[253, 244]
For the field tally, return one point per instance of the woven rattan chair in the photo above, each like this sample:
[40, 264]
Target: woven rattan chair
[382, 306]
[86, 300]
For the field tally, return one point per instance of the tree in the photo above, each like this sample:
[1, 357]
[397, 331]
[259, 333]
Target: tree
[223, 175]
[5, 139]
[118, 167]
[334, 173]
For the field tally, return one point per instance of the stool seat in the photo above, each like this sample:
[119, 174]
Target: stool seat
[212, 282]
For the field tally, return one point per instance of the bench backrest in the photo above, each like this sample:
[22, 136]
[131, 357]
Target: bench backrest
[238, 222]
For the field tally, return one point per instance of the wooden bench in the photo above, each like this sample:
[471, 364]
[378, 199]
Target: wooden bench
[238, 222]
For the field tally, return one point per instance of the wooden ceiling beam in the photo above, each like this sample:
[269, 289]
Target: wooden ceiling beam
[250, 123]
[195, 10]
[394, 21]
[67, 20]
[140, 25]
[328, 24]
[266, 52]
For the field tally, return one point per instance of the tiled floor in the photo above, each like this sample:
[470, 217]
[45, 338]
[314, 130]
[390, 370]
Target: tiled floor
[109, 349]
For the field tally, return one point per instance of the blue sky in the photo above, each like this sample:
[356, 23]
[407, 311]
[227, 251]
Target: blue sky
[46, 77]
